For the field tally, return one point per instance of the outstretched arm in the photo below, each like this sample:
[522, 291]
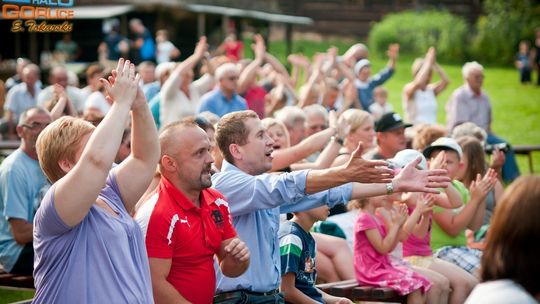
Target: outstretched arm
[136, 172]
[78, 190]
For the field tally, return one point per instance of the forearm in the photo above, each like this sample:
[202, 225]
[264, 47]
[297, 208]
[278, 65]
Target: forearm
[320, 180]
[286, 157]
[276, 64]
[248, 76]
[421, 229]
[294, 295]
[478, 217]
[165, 293]
[232, 268]
[328, 155]
[391, 240]
[361, 191]
[22, 231]
[410, 224]
[145, 144]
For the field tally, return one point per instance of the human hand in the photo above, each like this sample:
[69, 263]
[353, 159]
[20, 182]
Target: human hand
[480, 187]
[439, 162]
[425, 203]
[201, 48]
[259, 48]
[393, 51]
[122, 85]
[237, 250]
[411, 179]
[340, 125]
[338, 300]
[400, 216]
[367, 171]
[497, 159]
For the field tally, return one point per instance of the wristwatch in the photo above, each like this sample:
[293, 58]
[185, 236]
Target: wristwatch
[338, 140]
[389, 188]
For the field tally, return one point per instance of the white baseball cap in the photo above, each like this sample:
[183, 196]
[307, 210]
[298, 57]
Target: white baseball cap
[362, 63]
[443, 143]
[404, 157]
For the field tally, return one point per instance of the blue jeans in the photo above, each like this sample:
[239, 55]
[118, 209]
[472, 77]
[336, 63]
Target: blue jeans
[243, 297]
[510, 170]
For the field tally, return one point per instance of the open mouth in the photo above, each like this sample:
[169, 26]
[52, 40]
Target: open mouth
[269, 153]
[276, 146]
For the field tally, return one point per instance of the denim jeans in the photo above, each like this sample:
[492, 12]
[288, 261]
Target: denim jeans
[247, 297]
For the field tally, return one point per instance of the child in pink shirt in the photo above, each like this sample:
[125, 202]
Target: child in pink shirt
[372, 245]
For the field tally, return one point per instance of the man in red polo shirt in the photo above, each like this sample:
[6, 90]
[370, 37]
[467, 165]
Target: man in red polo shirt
[187, 223]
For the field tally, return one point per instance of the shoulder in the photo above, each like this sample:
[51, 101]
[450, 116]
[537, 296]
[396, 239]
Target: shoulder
[365, 221]
[500, 291]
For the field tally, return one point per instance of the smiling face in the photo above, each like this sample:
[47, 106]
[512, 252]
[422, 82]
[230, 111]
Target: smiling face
[279, 135]
[254, 157]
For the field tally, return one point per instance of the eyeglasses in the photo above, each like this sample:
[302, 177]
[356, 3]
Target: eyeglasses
[232, 78]
[35, 124]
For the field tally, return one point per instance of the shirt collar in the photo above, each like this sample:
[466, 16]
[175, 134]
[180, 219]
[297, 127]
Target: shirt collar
[226, 166]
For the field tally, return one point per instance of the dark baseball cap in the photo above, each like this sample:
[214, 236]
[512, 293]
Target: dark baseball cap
[390, 121]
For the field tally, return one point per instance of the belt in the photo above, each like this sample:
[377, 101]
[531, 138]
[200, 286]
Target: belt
[238, 293]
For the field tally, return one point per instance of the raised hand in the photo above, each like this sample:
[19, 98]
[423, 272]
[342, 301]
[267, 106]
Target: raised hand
[340, 125]
[480, 187]
[411, 179]
[259, 48]
[401, 214]
[368, 171]
[393, 51]
[122, 86]
[201, 48]
[425, 203]
[237, 250]
[439, 162]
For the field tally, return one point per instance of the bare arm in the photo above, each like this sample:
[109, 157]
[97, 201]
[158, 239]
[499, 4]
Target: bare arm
[233, 257]
[22, 230]
[164, 292]
[287, 156]
[135, 173]
[291, 293]
[173, 82]
[388, 243]
[77, 191]
[324, 160]
[422, 75]
[443, 83]
[247, 77]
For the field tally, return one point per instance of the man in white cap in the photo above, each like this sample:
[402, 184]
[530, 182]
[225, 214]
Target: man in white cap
[365, 84]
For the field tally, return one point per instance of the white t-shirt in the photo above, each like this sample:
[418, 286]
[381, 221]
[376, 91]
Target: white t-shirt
[164, 50]
[500, 292]
[97, 101]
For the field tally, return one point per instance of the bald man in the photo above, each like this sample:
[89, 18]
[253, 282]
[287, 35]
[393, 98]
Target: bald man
[59, 75]
[186, 223]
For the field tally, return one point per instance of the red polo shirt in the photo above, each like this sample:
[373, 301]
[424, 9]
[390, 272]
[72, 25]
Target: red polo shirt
[190, 236]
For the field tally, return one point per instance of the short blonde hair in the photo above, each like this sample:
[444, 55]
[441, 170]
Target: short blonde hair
[355, 118]
[60, 141]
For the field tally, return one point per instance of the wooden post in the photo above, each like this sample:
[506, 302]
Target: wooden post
[288, 38]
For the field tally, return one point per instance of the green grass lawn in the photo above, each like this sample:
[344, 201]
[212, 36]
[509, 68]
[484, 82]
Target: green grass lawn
[10, 295]
[516, 108]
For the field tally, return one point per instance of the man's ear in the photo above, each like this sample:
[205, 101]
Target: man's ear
[65, 165]
[168, 163]
[19, 130]
[236, 151]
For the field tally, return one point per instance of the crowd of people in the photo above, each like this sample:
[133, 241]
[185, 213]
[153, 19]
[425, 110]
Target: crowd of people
[214, 180]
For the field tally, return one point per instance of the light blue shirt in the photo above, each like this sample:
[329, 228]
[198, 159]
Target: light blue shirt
[365, 89]
[215, 102]
[255, 203]
[22, 186]
[18, 99]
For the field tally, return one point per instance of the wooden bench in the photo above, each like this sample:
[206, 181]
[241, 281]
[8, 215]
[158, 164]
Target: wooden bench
[527, 150]
[8, 146]
[15, 280]
[352, 290]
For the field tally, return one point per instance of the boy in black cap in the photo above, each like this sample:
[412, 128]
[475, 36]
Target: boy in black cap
[390, 136]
